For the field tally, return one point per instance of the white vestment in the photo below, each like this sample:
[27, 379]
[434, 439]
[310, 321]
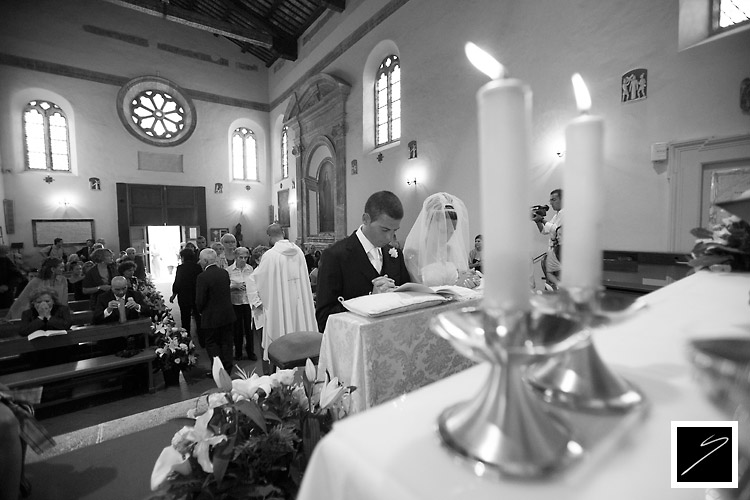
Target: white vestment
[284, 289]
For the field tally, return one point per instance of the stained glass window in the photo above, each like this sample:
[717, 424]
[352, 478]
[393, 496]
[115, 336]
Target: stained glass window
[46, 138]
[729, 14]
[244, 156]
[388, 101]
[284, 153]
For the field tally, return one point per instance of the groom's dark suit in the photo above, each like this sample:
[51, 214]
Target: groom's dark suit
[345, 271]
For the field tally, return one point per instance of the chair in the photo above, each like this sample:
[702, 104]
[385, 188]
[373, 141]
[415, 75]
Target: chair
[293, 349]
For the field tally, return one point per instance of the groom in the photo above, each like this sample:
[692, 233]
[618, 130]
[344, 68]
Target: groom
[364, 262]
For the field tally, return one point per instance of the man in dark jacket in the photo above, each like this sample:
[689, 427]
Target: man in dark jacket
[364, 262]
[119, 304]
[214, 302]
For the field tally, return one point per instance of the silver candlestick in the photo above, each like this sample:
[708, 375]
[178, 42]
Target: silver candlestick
[505, 427]
[578, 379]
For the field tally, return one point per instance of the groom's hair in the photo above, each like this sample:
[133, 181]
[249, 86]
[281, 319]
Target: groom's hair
[384, 202]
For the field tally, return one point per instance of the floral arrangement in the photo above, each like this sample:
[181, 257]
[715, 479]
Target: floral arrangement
[153, 299]
[174, 347]
[255, 438]
[726, 244]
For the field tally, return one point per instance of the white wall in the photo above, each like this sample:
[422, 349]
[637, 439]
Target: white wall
[52, 31]
[691, 94]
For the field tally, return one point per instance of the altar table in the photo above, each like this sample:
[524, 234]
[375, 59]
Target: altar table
[388, 356]
[393, 451]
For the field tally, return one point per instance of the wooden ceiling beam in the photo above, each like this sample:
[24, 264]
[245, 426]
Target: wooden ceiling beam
[205, 23]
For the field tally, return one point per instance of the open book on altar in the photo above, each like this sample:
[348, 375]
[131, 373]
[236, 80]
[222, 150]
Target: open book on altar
[406, 297]
[46, 333]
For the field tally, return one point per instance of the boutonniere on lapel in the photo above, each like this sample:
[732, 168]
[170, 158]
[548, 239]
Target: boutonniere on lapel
[393, 252]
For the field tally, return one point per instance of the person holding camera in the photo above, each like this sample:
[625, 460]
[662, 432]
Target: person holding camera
[551, 261]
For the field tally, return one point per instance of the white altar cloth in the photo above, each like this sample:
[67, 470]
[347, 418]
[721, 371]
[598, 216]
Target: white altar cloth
[393, 450]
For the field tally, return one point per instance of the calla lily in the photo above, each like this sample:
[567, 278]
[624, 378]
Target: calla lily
[170, 460]
[221, 378]
[331, 393]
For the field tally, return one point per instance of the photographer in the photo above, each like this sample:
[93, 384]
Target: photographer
[551, 261]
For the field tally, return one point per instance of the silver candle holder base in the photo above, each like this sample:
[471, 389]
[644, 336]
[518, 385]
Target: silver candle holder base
[505, 427]
[578, 379]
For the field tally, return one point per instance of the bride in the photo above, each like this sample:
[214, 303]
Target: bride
[437, 248]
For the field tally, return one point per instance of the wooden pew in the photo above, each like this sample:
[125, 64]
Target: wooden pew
[11, 328]
[14, 346]
[79, 305]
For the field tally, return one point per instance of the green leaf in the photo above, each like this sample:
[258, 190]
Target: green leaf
[269, 415]
[222, 456]
[253, 412]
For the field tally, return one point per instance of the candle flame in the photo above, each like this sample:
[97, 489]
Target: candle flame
[484, 62]
[583, 98]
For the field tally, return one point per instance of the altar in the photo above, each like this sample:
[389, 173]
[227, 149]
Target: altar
[393, 450]
[388, 356]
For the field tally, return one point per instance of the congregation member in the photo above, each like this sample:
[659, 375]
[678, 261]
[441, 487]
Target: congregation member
[364, 262]
[553, 228]
[230, 245]
[200, 243]
[97, 279]
[284, 289]
[75, 277]
[10, 278]
[475, 254]
[126, 269]
[54, 250]
[44, 313]
[218, 247]
[119, 304]
[239, 277]
[51, 275]
[184, 289]
[214, 303]
[436, 249]
[85, 252]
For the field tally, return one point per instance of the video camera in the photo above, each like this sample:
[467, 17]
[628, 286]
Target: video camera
[539, 210]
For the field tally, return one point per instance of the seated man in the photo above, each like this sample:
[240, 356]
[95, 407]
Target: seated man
[119, 304]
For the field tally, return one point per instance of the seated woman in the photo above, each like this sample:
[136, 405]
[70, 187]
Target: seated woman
[44, 313]
[127, 270]
[436, 249]
[75, 279]
[96, 280]
[51, 275]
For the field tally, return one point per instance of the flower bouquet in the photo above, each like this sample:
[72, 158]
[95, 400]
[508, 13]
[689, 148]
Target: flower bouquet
[154, 299]
[253, 441]
[726, 244]
[175, 350]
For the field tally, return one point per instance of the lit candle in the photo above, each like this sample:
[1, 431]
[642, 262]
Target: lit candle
[582, 196]
[504, 130]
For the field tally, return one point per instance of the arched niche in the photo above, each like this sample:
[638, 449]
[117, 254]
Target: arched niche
[316, 115]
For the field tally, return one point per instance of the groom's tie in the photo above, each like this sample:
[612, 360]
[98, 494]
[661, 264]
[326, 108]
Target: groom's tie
[376, 258]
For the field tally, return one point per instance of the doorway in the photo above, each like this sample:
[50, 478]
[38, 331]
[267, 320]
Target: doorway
[163, 251]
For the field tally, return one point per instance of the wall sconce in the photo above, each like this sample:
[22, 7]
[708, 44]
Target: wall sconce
[62, 202]
[294, 186]
[412, 182]
[412, 149]
[561, 154]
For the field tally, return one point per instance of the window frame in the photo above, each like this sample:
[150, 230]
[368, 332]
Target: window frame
[388, 70]
[46, 115]
[249, 135]
[714, 28]
[284, 152]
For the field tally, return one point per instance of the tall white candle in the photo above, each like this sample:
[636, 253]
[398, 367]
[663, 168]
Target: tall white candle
[583, 196]
[504, 131]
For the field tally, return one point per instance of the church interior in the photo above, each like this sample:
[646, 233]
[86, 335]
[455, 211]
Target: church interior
[209, 114]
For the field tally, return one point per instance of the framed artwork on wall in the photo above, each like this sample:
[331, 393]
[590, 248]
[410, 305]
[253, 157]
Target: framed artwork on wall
[218, 232]
[284, 218]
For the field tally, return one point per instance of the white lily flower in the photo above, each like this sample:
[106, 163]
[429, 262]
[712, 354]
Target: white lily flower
[249, 386]
[331, 393]
[310, 371]
[204, 439]
[170, 460]
[285, 377]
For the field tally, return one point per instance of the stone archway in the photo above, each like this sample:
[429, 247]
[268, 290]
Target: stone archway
[317, 118]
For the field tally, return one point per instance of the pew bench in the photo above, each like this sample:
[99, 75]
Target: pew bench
[11, 328]
[78, 372]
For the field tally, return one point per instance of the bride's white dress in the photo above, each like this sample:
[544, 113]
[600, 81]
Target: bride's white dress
[439, 273]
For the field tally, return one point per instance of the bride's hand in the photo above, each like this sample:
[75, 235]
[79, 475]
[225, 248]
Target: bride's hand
[468, 279]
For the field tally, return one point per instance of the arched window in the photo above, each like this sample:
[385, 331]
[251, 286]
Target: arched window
[45, 137]
[244, 155]
[730, 14]
[388, 101]
[284, 153]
